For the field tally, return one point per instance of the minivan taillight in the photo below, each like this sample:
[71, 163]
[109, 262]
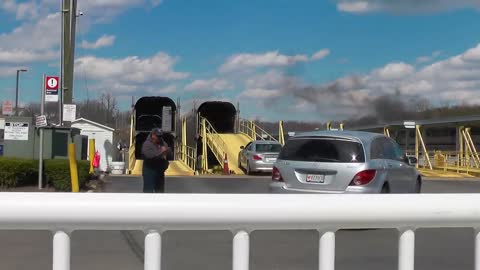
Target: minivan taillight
[363, 178]
[276, 176]
[257, 157]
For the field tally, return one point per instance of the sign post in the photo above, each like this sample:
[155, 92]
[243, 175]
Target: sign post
[42, 122]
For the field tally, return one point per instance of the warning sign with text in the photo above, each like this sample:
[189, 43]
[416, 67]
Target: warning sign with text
[16, 131]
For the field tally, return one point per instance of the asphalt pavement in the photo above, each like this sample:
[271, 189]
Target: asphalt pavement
[438, 249]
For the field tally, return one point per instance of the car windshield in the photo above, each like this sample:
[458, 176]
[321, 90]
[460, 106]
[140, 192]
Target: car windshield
[323, 150]
[268, 148]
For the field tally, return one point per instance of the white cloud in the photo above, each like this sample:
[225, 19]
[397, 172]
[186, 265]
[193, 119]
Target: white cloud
[394, 71]
[130, 73]
[40, 35]
[24, 10]
[26, 56]
[8, 71]
[269, 59]
[103, 41]
[404, 6]
[209, 85]
[428, 58]
[270, 84]
[472, 54]
[260, 93]
[453, 81]
[321, 54]
[355, 7]
[165, 90]
[270, 79]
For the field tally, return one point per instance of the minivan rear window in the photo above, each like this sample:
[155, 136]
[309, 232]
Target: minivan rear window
[323, 149]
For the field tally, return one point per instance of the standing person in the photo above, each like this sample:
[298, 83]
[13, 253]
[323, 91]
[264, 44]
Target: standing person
[155, 163]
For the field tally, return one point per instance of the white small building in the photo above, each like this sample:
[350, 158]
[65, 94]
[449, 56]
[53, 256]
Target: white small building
[103, 136]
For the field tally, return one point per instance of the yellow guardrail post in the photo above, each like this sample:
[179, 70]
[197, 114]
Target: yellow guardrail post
[131, 149]
[418, 139]
[91, 153]
[468, 149]
[281, 136]
[386, 131]
[342, 126]
[204, 147]
[329, 126]
[475, 155]
[73, 167]
[254, 132]
[460, 145]
[184, 140]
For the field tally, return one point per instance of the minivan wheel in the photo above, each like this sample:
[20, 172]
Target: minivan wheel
[418, 185]
[385, 188]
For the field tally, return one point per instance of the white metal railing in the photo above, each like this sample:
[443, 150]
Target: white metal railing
[63, 213]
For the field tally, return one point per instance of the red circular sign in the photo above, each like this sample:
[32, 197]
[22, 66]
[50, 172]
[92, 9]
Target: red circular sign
[51, 83]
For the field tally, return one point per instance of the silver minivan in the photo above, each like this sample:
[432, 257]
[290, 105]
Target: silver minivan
[344, 162]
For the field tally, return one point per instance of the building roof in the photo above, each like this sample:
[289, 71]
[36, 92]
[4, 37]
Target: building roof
[449, 121]
[93, 123]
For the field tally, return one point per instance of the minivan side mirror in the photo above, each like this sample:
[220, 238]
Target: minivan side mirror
[242, 147]
[412, 161]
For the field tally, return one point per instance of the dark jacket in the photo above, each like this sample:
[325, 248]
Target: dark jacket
[153, 157]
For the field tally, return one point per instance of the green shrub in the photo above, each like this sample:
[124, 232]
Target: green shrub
[57, 172]
[17, 172]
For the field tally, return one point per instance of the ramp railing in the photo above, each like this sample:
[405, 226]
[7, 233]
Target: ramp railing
[183, 152]
[213, 140]
[186, 154]
[254, 132]
[241, 214]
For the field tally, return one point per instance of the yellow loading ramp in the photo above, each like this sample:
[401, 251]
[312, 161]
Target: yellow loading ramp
[176, 168]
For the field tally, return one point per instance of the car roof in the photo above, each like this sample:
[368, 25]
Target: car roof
[364, 137]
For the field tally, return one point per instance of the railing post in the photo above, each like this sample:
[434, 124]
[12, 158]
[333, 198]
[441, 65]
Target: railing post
[61, 251]
[477, 249]
[326, 250]
[406, 250]
[153, 251]
[241, 250]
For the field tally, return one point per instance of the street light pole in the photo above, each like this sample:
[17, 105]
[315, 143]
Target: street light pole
[16, 91]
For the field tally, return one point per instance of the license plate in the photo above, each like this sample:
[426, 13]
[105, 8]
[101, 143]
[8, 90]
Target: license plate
[271, 159]
[315, 178]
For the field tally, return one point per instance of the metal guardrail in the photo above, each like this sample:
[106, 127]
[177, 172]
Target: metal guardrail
[241, 214]
[186, 154]
[213, 140]
[252, 130]
[448, 160]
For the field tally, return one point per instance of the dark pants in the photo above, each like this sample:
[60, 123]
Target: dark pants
[153, 180]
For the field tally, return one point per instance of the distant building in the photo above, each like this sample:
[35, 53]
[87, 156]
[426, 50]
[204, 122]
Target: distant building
[103, 136]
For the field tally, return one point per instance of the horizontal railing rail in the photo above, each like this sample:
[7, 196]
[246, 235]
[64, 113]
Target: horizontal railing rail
[241, 214]
[255, 132]
[186, 154]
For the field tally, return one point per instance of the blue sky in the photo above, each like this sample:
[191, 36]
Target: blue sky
[303, 60]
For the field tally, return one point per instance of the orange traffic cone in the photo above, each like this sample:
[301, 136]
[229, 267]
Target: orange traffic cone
[226, 170]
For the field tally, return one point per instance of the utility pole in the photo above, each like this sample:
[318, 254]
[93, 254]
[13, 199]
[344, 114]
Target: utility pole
[69, 19]
[16, 90]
